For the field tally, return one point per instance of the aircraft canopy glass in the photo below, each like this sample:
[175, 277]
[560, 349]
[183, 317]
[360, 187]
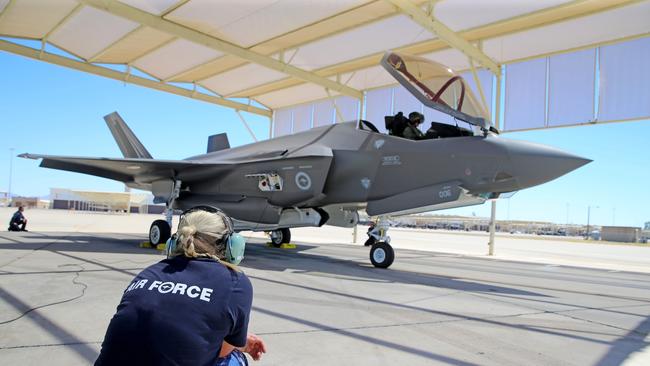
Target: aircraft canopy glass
[435, 85]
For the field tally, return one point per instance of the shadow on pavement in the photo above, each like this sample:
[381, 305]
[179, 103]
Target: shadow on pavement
[81, 348]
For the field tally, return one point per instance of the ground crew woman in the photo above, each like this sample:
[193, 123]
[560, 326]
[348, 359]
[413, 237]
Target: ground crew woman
[191, 308]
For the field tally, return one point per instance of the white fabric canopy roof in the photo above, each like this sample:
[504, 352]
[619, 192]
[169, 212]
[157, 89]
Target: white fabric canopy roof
[281, 53]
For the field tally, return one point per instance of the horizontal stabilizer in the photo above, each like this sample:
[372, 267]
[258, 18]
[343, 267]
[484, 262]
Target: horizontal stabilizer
[123, 170]
[130, 146]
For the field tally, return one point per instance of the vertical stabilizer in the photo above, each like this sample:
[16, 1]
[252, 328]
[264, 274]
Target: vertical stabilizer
[218, 142]
[130, 146]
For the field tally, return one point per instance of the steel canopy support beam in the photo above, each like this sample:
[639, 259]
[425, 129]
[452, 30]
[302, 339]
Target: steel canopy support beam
[248, 127]
[7, 7]
[121, 76]
[493, 208]
[493, 224]
[430, 23]
[158, 23]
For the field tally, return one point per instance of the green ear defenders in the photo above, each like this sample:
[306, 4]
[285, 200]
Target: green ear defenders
[235, 243]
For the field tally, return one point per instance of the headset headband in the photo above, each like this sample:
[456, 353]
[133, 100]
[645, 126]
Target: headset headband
[226, 220]
[235, 243]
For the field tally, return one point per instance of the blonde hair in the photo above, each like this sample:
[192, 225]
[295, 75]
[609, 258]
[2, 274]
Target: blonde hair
[200, 234]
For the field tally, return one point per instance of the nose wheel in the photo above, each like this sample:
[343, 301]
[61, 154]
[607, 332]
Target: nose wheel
[382, 255]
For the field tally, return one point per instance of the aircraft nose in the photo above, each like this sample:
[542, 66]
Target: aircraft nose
[535, 164]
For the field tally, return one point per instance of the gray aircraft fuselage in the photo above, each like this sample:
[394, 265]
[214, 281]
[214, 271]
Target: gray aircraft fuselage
[324, 175]
[341, 165]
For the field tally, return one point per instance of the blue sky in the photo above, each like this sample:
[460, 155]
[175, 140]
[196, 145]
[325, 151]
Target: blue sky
[53, 110]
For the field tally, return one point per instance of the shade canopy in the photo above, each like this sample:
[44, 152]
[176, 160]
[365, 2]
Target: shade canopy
[278, 53]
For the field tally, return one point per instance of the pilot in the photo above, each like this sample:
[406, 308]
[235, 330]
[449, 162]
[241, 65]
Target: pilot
[192, 308]
[18, 221]
[412, 130]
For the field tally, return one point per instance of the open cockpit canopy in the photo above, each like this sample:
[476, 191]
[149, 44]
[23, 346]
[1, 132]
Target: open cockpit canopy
[436, 86]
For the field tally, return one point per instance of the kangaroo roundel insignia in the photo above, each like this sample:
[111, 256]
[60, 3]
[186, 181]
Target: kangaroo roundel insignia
[303, 181]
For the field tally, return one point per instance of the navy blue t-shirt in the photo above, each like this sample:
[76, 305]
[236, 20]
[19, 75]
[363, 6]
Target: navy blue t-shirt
[178, 312]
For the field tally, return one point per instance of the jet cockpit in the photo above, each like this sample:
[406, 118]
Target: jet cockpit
[439, 88]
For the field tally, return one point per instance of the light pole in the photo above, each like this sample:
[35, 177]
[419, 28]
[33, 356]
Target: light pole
[588, 216]
[11, 171]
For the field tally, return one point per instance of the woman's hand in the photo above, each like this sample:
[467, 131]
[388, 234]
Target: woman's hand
[254, 346]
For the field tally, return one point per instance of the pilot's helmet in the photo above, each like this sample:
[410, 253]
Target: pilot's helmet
[416, 118]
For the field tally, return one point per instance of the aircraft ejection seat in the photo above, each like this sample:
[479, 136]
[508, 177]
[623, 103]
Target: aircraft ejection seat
[396, 124]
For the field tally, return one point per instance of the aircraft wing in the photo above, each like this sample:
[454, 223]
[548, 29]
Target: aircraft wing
[125, 170]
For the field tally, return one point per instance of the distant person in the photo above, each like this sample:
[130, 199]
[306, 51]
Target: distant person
[192, 308]
[412, 130]
[18, 221]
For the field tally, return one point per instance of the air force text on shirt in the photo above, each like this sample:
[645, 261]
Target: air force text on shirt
[172, 288]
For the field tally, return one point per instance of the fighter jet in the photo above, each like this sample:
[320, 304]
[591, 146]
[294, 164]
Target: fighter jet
[326, 175]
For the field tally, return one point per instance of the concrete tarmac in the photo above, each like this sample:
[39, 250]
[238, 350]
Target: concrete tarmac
[323, 304]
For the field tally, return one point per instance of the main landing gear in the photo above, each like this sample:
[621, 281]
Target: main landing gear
[159, 232]
[280, 236]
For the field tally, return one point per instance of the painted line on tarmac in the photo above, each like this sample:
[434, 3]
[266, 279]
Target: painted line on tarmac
[49, 345]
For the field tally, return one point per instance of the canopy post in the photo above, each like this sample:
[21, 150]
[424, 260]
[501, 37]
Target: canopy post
[493, 225]
[243, 121]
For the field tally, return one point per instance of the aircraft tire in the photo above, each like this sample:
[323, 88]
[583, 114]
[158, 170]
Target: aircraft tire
[382, 255]
[280, 237]
[159, 232]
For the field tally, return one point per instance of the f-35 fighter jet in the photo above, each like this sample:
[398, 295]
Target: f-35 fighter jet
[326, 174]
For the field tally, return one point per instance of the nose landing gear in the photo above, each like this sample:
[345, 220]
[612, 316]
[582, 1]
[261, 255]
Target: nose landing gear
[382, 254]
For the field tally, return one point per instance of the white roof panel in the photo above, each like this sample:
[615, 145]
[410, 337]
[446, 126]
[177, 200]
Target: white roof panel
[456, 14]
[210, 16]
[175, 57]
[154, 7]
[85, 34]
[293, 95]
[33, 18]
[614, 24]
[135, 44]
[234, 21]
[375, 37]
[241, 78]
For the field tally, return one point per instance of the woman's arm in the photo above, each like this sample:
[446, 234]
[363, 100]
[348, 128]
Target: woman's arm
[255, 347]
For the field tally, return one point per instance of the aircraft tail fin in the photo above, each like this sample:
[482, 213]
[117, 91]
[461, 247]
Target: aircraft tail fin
[218, 142]
[130, 146]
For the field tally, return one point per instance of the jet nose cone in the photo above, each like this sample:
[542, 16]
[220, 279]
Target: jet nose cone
[535, 164]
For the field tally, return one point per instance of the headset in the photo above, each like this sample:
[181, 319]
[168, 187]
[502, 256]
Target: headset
[235, 243]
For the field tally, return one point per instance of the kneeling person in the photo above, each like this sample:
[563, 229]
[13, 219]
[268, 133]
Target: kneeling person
[18, 221]
[192, 308]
